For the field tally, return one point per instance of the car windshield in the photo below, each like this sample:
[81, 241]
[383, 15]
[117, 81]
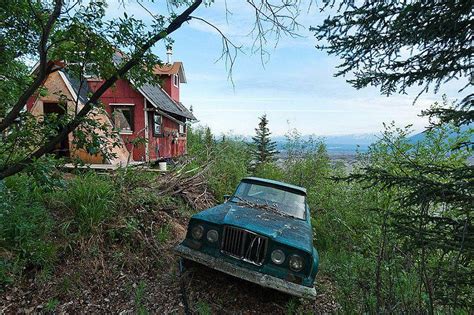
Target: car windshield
[270, 198]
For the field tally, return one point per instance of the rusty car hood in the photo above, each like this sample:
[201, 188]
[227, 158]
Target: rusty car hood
[290, 231]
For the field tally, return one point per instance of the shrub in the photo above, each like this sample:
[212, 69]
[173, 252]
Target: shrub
[270, 171]
[230, 164]
[25, 227]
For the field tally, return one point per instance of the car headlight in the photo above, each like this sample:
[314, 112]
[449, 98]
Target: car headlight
[197, 232]
[278, 257]
[296, 263]
[212, 236]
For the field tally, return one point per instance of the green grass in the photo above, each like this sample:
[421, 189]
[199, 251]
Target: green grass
[51, 305]
[139, 296]
[25, 228]
[164, 233]
[90, 199]
[203, 308]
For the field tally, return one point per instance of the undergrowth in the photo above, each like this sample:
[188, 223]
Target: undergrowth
[41, 224]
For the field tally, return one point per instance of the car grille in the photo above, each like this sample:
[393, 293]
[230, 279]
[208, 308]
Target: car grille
[244, 245]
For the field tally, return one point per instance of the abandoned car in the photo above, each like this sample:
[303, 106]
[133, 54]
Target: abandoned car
[262, 234]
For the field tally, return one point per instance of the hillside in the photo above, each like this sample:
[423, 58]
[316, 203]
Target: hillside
[88, 242]
[127, 264]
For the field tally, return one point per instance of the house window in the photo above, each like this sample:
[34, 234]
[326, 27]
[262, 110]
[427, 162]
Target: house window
[176, 80]
[157, 122]
[123, 118]
[182, 128]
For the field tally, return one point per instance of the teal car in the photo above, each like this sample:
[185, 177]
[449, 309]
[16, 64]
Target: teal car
[261, 234]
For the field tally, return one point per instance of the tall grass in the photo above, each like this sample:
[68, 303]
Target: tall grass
[90, 200]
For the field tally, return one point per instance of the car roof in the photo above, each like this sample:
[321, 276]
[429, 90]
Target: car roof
[275, 183]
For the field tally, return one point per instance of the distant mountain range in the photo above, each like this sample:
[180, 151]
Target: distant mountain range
[420, 136]
[338, 145]
[351, 143]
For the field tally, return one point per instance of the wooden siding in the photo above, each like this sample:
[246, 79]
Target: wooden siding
[170, 88]
[163, 146]
[159, 147]
[56, 87]
[123, 93]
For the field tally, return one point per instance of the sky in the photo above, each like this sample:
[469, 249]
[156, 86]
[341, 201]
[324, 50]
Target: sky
[295, 86]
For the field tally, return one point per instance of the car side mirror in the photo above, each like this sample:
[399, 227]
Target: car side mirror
[226, 198]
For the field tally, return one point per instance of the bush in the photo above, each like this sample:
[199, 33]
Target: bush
[270, 171]
[25, 227]
[229, 158]
[230, 165]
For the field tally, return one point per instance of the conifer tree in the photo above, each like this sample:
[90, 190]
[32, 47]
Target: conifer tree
[264, 149]
[433, 218]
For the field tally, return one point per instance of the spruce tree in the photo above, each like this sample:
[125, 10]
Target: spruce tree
[395, 45]
[264, 149]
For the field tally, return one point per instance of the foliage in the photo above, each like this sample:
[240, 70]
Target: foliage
[431, 212]
[25, 225]
[51, 305]
[263, 147]
[428, 221]
[229, 158]
[164, 233]
[203, 308]
[90, 200]
[139, 297]
[409, 53]
[270, 171]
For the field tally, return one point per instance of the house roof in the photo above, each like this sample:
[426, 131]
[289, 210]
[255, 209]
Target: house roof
[158, 97]
[163, 101]
[81, 89]
[169, 69]
[73, 83]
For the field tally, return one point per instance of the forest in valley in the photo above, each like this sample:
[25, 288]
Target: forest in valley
[394, 231]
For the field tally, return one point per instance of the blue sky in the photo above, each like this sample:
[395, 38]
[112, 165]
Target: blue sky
[295, 87]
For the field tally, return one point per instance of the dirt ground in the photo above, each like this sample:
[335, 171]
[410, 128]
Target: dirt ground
[138, 274]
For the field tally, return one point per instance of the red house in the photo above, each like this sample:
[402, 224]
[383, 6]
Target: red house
[150, 111]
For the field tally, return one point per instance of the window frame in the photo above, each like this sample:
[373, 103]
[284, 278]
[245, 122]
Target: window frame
[176, 80]
[128, 106]
[183, 126]
[157, 134]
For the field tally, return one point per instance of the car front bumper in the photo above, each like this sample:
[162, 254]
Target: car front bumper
[246, 274]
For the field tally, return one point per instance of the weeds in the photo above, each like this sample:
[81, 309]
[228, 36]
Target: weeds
[25, 226]
[291, 306]
[164, 233]
[51, 305]
[203, 308]
[70, 284]
[91, 199]
[139, 298]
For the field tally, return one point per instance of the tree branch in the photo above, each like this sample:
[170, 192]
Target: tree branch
[229, 49]
[44, 68]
